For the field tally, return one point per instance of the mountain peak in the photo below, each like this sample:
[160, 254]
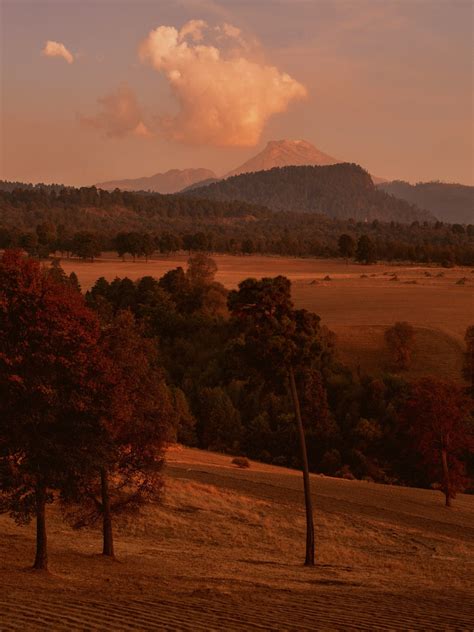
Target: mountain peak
[284, 153]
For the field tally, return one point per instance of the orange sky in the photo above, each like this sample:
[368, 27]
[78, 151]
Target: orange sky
[93, 91]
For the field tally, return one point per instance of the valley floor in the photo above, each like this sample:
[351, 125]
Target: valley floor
[224, 551]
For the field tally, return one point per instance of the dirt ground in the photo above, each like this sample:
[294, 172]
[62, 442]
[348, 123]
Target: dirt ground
[224, 551]
[357, 302]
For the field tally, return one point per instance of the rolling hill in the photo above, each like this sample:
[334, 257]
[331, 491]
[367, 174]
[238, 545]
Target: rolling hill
[223, 551]
[448, 202]
[341, 191]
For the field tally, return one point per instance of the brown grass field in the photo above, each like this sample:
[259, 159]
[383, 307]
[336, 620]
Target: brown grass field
[224, 551]
[357, 309]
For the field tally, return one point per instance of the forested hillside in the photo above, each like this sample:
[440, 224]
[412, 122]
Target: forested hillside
[448, 202]
[342, 191]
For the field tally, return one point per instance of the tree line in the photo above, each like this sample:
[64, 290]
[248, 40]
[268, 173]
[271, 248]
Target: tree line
[362, 244]
[93, 388]
[84, 222]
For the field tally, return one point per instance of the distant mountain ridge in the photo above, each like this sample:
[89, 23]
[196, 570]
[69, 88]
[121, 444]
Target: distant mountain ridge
[276, 153]
[450, 202]
[171, 181]
[341, 191]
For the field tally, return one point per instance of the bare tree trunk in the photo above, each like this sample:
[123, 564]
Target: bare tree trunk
[41, 558]
[309, 560]
[447, 481]
[108, 540]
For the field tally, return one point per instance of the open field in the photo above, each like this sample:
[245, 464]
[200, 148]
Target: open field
[224, 551]
[357, 309]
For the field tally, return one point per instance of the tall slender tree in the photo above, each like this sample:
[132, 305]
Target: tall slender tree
[279, 341]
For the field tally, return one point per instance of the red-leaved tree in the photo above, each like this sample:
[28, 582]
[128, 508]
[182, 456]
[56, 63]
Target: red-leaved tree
[52, 391]
[438, 414]
[138, 425]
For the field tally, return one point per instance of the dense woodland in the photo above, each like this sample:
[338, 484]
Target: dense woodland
[84, 222]
[449, 202]
[92, 388]
[355, 427]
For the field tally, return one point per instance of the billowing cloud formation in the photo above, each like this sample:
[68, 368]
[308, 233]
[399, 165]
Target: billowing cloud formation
[56, 49]
[120, 115]
[225, 97]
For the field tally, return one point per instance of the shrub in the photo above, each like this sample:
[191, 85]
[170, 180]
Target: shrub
[241, 461]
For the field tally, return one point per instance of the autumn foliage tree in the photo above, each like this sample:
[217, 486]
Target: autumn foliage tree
[52, 395]
[278, 341]
[468, 367]
[138, 425]
[400, 340]
[438, 415]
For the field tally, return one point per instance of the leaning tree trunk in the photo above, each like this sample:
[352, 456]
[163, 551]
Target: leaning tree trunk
[108, 540]
[41, 558]
[309, 560]
[447, 480]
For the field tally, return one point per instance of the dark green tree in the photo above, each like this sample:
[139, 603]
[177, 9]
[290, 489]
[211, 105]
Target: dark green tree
[220, 426]
[346, 246]
[85, 245]
[365, 250]
[278, 341]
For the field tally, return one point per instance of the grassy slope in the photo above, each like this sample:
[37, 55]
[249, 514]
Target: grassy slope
[224, 552]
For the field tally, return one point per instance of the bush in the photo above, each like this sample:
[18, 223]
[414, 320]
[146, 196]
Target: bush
[331, 462]
[345, 473]
[400, 339]
[241, 461]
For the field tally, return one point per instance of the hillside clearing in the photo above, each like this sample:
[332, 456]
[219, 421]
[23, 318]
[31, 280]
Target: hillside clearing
[225, 549]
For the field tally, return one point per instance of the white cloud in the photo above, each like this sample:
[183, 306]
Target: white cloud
[57, 49]
[225, 94]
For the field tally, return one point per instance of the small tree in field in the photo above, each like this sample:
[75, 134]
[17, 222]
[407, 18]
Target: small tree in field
[468, 368]
[438, 417]
[400, 339]
[138, 426]
[201, 269]
[365, 250]
[346, 246]
[51, 392]
[278, 341]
